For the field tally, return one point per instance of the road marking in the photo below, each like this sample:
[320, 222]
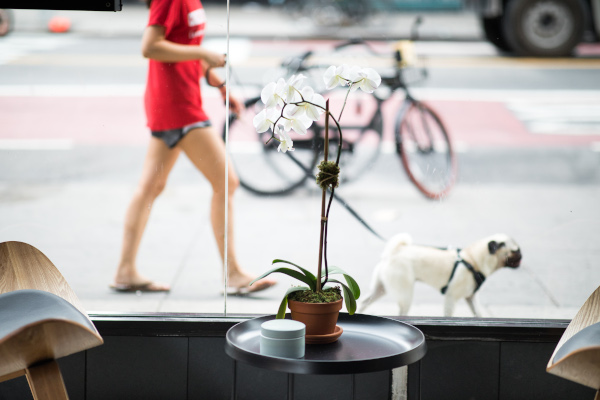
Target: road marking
[71, 90]
[14, 47]
[241, 57]
[573, 118]
[36, 144]
[119, 90]
[79, 60]
[508, 95]
[510, 62]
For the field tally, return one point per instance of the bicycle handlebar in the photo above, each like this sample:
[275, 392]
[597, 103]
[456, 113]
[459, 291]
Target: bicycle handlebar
[297, 63]
[302, 57]
[350, 42]
[356, 42]
[306, 55]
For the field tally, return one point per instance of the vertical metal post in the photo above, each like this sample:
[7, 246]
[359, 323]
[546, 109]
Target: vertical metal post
[226, 221]
[290, 395]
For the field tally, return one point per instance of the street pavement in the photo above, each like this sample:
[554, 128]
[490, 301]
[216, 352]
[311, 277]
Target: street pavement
[70, 200]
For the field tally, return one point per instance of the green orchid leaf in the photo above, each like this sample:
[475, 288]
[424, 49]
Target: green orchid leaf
[290, 272]
[349, 298]
[306, 272]
[284, 301]
[353, 286]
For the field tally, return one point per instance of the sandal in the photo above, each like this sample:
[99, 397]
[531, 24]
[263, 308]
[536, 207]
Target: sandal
[140, 287]
[256, 287]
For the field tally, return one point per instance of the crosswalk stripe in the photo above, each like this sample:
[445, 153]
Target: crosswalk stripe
[71, 90]
[576, 118]
[36, 144]
[13, 47]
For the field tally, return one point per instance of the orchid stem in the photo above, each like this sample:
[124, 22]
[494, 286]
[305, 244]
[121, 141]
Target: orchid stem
[345, 99]
[322, 237]
[325, 238]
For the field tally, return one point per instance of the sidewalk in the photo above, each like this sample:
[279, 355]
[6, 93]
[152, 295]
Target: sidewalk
[273, 24]
[77, 223]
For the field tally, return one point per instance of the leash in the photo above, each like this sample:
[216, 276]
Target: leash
[355, 215]
[352, 212]
[478, 276]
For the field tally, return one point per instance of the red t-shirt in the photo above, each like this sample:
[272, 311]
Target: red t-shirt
[173, 98]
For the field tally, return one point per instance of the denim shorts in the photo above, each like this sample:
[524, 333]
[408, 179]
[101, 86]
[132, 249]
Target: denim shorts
[172, 136]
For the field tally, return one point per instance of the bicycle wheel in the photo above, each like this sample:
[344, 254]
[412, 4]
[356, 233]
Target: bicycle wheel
[361, 143]
[261, 168]
[426, 151]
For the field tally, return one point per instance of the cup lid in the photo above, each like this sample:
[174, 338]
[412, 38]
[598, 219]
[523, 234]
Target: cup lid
[282, 329]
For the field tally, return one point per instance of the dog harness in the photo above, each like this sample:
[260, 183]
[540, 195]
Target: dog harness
[478, 276]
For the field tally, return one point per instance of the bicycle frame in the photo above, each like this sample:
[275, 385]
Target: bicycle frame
[394, 82]
[421, 140]
[375, 124]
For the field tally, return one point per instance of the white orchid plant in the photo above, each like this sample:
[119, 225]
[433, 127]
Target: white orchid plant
[291, 106]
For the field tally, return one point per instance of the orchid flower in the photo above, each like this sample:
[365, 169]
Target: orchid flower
[272, 94]
[291, 88]
[336, 76]
[367, 79]
[299, 122]
[312, 106]
[285, 142]
[265, 119]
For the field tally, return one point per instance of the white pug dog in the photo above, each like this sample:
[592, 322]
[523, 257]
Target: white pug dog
[456, 273]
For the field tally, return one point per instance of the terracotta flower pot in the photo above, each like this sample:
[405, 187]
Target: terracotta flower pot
[319, 318]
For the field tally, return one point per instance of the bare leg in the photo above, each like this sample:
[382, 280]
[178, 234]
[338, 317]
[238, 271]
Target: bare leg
[206, 150]
[157, 166]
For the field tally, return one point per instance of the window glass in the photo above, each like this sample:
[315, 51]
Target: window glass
[522, 132]
[73, 145]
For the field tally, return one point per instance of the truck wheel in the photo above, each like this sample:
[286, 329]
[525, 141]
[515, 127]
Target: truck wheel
[544, 28]
[492, 28]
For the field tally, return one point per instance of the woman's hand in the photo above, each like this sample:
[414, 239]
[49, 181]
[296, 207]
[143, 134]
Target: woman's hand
[235, 105]
[212, 59]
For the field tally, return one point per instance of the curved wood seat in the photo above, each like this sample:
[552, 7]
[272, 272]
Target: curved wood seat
[41, 319]
[39, 326]
[577, 355]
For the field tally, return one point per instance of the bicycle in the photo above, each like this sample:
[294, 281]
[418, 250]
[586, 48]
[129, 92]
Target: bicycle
[421, 141]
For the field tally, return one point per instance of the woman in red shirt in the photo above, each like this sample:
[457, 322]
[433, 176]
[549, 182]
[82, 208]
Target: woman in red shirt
[178, 123]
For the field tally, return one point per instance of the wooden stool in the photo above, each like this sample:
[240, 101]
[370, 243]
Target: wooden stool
[577, 355]
[42, 320]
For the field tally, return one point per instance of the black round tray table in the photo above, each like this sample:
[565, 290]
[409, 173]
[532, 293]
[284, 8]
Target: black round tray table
[368, 344]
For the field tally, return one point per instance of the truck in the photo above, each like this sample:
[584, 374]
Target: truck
[538, 28]
[530, 28]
